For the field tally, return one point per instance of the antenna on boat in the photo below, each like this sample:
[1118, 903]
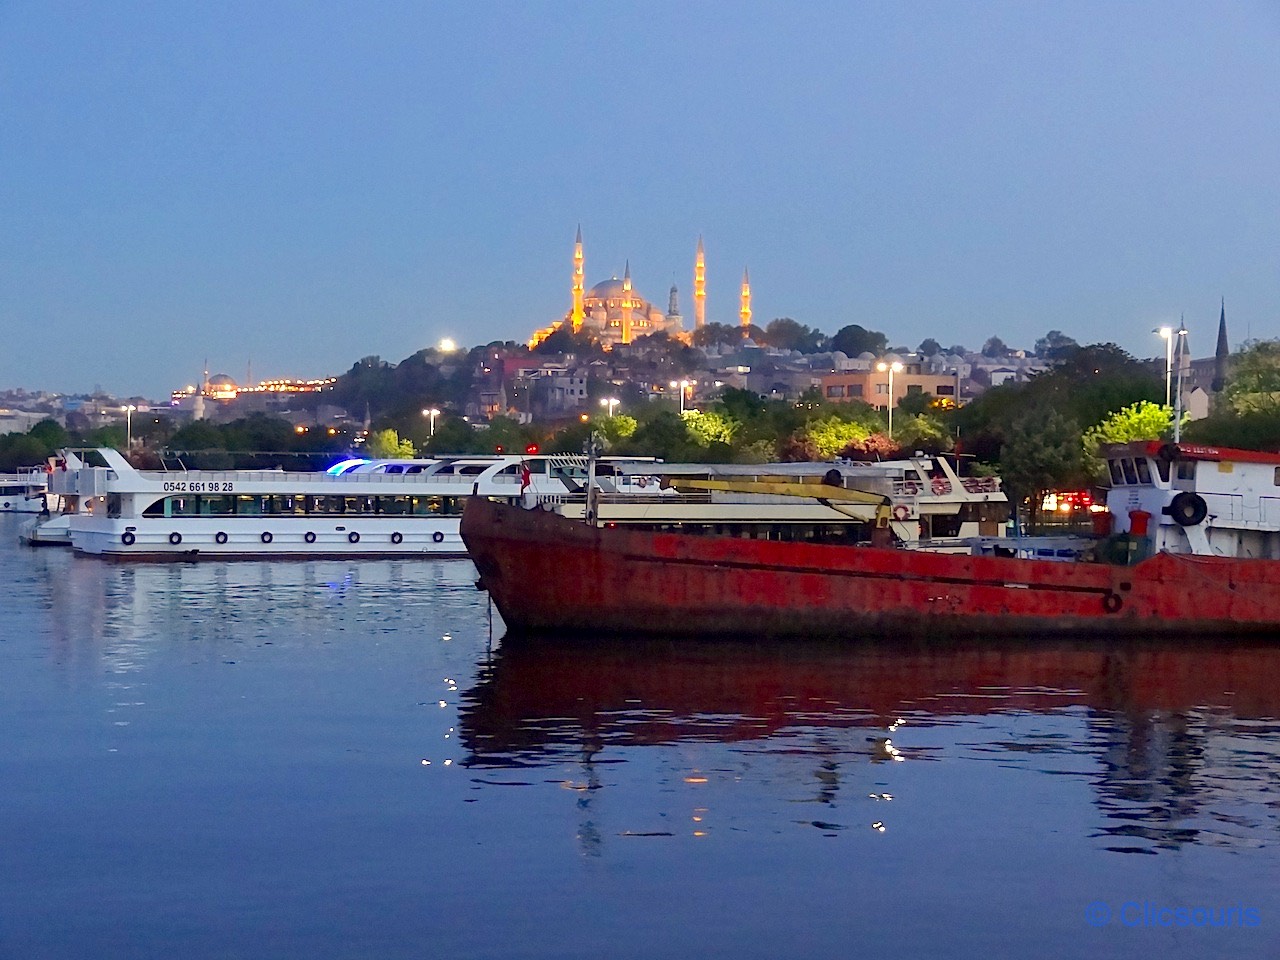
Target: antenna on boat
[593, 451]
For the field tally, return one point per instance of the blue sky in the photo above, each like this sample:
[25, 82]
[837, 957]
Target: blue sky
[298, 185]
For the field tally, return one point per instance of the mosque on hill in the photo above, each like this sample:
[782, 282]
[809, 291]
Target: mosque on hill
[614, 312]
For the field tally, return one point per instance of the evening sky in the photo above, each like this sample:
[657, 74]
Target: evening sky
[298, 185]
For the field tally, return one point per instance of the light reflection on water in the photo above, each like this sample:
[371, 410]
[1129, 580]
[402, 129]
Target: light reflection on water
[327, 759]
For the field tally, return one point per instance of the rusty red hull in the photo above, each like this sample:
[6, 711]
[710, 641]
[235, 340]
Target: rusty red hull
[546, 573]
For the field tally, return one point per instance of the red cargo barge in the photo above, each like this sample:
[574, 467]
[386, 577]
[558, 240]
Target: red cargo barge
[548, 573]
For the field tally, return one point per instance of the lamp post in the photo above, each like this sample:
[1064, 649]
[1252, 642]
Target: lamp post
[609, 402]
[432, 413]
[1181, 334]
[683, 385]
[128, 425]
[891, 369]
[1166, 334]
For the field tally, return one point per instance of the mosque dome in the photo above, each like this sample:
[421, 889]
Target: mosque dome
[221, 380]
[610, 289]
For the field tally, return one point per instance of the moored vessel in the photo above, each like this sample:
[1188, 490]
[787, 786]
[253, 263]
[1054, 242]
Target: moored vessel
[1196, 549]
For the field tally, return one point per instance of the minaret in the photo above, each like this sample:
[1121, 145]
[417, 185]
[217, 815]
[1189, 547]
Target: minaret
[626, 304]
[673, 309]
[745, 311]
[578, 286]
[699, 286]
[1222, 354]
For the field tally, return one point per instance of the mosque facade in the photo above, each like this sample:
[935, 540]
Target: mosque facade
[614, 312]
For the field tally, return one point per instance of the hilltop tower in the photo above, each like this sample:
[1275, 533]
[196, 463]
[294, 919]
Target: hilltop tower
[674, 319]
[699, 287]
[579, 287]
[745, 311]
[628, 304]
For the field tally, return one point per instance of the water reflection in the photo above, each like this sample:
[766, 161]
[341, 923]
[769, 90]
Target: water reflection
[1177, 742]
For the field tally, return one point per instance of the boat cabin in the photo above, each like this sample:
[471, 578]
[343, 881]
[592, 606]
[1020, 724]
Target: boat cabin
[1187, 498]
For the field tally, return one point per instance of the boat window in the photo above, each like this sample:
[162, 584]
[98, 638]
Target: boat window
[217, 506]
[249, 506]
[1130, 475]
[1144, 471]
[114, 505]
[1162, 468]
[471, 469]
[393, 506]
[1186, 470]
[395, 468]
[1117, 478]
[156, 509]
[1277, 477]
[416, 468]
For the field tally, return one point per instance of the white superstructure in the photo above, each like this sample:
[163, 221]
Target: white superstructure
[386, 508]
[22, 492]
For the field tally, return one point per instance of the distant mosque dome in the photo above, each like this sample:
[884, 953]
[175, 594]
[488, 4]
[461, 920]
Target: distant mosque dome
[221, 387]
[611, 289]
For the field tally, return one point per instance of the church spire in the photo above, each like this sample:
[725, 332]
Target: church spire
[745, 311]
[1222, 354]
[699, 286]
[578, 285]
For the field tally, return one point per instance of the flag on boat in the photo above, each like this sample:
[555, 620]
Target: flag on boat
[526, 477]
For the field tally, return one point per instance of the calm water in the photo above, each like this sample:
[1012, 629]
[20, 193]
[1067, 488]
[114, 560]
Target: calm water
[328, 760]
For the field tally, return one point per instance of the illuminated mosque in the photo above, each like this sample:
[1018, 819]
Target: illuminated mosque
[614, 312]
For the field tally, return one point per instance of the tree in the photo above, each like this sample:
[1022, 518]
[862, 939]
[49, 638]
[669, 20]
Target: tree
[923, 432]
[1143, 420]
[855, 340]
[711, 427]
[929, 347]
[786, 334]
[994, 347]
[387, 445]
[832, 434]
[1254, 384]
[716, 333]
[1041, 452]
[1054, 345]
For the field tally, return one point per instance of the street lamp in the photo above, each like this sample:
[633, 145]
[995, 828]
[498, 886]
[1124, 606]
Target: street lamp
[683, 385]
[128, 425]
[1181, 334]
[1166, 334]
[432, 413]
[610, 402]
[891, 369]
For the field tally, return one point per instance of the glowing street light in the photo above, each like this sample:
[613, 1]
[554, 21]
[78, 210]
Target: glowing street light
[128, 425]
[891, 369]
[1166, 334]
[432, 413]
[684, 385]
[610, 402]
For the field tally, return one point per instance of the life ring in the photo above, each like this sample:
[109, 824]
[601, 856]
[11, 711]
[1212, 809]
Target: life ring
[309, 537]
[642, 482]
[353, 537]
[175, 538]
[901, 512]
[1112, 602]
[910, 489]
[219, 537]
[1188, 509]
[266, 536]
[939, 487]
[438, 537]
[397, 537]
[128, 539]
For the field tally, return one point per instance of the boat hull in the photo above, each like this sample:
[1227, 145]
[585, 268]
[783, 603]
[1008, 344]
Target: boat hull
[549, 574]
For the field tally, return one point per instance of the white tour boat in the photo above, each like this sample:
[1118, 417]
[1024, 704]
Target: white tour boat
[358, 508]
